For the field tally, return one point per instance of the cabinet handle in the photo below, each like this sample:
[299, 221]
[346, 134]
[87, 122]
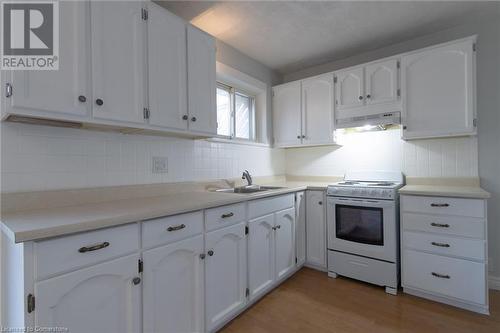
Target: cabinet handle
[99, 102]
[193, 119]
[202, 256]
[440, 205]
[224, 216]
[176, 227]
[82, 99]
[298, 136]
[360, 98]
[136, 281]
[440, 244]
[440, 225]
[277, 227]
[441, 276]
[93, 247]
[211, 252]
[368, 96]
[320, 203]
[185, 117]
[303, 136]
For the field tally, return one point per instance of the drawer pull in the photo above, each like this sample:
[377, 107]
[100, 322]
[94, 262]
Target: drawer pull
[440, 225]
[93, 247]
[440, 205]
[225, 216]
[440, 244]
[441, 276]
[176, 227]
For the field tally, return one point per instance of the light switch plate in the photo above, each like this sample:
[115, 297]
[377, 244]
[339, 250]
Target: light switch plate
[160, 164]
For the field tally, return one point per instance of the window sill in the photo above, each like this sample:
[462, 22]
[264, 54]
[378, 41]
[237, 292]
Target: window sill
[237, 142]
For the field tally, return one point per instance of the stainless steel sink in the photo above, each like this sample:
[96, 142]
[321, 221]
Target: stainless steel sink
[248, 189]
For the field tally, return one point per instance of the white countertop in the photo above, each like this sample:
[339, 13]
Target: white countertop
[474, 192]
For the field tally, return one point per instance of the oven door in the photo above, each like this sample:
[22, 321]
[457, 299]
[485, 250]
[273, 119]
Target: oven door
[363, 227]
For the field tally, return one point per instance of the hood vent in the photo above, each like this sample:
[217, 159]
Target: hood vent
[389, 118]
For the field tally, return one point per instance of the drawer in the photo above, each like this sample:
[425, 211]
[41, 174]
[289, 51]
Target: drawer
[224, 216]
[71, 252]
[443, 206]
[269, 205]
[474, 249]
[451, 277]
[448, 225]
[172, 228]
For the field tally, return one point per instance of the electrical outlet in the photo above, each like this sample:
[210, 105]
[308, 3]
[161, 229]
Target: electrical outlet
[160, 164]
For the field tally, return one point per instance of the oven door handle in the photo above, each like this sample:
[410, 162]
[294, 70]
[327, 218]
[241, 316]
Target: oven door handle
[361, 202]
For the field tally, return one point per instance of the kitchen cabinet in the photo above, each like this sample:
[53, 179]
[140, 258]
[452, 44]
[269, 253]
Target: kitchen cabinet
[68, 96]
[101, 298]
[118, 34]
[316, 230]
[381, 82]
[201, 81]
[173, 298]
[300, 227]
[167, 69]
[350, 88]
[287, 114]
[285, 242]
[438, 91]
[225, 274]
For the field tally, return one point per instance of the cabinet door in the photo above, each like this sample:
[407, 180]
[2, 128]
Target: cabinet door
[350, 92]
[287, 114]
[101, 298]
[167, 68]
[285, 242]
[300, 227]
[437, 87]
[315, 229]
[261, 264]
[381, 82]
[56, 94]
[118, 60]
[173, 287]
[201, 81]
[225, 273]
[317, 109]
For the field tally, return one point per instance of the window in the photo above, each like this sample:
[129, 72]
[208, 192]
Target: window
[235, 113]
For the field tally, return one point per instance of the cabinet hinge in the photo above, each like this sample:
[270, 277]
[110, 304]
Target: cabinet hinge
[474, 47]
[146, 113]
[399, 92]
[273, 93]
[296, 260]
[474, 122]
[247, 292]
[246, 230]
[334, 79]
[31, 303]
[140, 266]
[398, 64]
[8, 90]
[144, 14]
[336, 102]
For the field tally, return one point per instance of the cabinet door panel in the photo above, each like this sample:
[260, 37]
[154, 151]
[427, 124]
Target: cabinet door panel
[438, 92]
[226, 273]
[382, 82]
[261, 265]
[300, 227]
[317, 109]
[55, 93]
[285, 242]
[316, 229]
[287, 114]
[201, 81]
[350, 92]
[167, 68]
[118, 60]
[173, 287]
[101, 298]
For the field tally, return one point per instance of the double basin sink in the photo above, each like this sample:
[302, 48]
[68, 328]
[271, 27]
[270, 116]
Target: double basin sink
[248, 189]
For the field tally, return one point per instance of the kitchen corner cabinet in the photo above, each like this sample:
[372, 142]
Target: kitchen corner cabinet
[300, 227]
[316, 230]
[438, 86]
[287, 115]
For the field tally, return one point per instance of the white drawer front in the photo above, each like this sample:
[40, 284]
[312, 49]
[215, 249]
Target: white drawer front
[443, 206]
[474, 249]
[70, 252]
[449, 225]
[169, 229]
[456, 278]
[269, 205]
[224, 216]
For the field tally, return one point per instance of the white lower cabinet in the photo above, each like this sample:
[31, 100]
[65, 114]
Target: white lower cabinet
[225, 274]
[300, 227]
[173, 287]
[285, 242]
[101, 298]
[316, 230]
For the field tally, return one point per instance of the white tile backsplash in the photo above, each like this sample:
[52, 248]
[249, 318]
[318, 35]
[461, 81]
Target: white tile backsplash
[44, 158]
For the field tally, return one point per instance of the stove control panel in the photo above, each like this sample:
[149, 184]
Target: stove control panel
[362, 192]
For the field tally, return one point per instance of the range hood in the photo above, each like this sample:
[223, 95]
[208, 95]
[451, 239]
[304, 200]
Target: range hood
[388, 118]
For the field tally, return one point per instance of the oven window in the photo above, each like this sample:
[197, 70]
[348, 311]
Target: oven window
[360, 224]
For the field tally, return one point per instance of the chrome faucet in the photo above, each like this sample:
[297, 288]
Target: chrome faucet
[246, 175]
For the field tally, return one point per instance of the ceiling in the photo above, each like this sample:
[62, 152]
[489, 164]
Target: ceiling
[287, 36]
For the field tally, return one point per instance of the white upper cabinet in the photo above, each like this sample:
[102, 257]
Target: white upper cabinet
[285, 242]
[101, 298]
[118, 59]
[167, 69]
[350, 88]
[201, 81]
[381, 84]
[64, 93]
[317, 110]
[287, 114]
[438, 91]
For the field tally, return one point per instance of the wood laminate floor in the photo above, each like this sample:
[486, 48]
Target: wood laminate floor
[311, 302]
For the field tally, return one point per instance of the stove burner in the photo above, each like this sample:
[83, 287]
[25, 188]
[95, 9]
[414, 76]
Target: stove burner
[381, 184]
[348, 183]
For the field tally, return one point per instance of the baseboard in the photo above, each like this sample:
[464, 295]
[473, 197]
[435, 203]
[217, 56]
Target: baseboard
[494, 282]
